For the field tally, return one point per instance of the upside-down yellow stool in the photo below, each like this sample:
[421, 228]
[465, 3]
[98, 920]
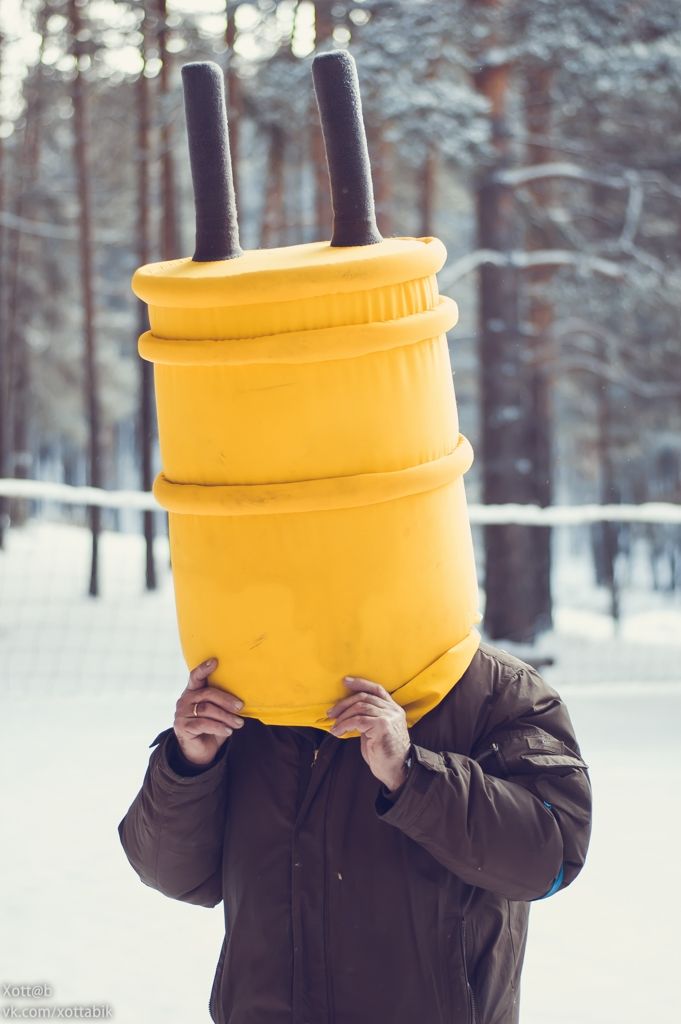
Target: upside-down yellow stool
[312, 461]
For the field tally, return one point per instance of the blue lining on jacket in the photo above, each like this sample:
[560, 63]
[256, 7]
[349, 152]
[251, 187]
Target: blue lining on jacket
[558, 880]
[556, 884]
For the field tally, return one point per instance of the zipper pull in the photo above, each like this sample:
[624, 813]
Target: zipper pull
[314, 756]
[501, 760]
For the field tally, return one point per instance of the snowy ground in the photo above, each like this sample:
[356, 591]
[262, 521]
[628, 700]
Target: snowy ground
[87, 685]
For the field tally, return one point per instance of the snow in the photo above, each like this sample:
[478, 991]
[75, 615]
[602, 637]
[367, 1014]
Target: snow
[87, 685]
[604, 951]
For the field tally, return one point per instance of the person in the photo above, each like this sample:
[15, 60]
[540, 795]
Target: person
[378, 879]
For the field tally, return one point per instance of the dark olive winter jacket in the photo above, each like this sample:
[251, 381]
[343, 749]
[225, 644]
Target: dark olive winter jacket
[346, 906]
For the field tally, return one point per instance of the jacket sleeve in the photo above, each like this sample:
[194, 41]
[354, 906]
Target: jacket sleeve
[515, 816]
[172, 833]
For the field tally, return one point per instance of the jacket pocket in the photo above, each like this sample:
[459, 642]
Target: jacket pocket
[215, 989]
[524, 752]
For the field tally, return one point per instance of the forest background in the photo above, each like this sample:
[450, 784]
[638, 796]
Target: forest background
[539, 141]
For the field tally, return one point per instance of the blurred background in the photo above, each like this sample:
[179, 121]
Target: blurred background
[541, 143]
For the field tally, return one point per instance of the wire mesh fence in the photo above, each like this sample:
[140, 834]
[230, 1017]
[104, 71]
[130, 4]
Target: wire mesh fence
[54, 638]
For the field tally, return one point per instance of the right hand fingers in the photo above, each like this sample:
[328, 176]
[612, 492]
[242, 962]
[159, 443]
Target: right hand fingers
[215, 703]
[198, 675]
[215, 694]
[205, 709]
[201, 726]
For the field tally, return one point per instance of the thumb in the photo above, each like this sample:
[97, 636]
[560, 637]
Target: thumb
[199, 675]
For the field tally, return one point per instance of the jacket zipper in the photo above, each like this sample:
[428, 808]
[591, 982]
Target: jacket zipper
[330, 995]
[469, 987]
[215, 991]
[303, 786]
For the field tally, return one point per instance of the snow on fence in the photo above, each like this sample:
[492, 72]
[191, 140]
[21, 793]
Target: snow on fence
[482, 515]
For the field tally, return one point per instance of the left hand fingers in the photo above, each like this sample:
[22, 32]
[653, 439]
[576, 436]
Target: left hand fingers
[361, 722]
[358, 685]
[347, 702]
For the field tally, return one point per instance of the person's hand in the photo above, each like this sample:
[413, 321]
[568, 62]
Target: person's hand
[384, 739]
[204, 716]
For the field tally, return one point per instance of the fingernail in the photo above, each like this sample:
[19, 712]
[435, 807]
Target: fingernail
[349, 679]
[238, 704]
[211, 661]
[329, 711]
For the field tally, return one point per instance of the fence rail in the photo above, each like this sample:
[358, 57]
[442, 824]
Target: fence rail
[480, 515]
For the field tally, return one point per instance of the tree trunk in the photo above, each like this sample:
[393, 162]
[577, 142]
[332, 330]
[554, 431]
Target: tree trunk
[17, 365]
[322, 208]
[81, 143]
[273, 205]
[606, 535]
[427, 183]
[506, 393]
[233, 99]
[17, 354]
[4, 392]
[170, 240]
[537, 101]
[382, 174]
[146, 411]
[428, 177]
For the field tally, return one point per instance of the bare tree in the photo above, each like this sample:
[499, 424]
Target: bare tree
[233, 94]
[146, 416]
[322, 209]
[170, 240]
[428, 172]
[4, 389]
[91, 380]
[382, 153]
[539, 317]
[20, 251]
[272, 223]
[507, 430]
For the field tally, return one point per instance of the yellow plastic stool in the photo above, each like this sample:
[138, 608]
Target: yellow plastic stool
[313, 473]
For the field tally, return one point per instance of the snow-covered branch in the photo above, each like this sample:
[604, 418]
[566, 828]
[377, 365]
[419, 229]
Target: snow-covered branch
[567, 169]
[515, 176]
[537, 258]
[632, 216]
[35, 227]
[618, 375]
[43, 229]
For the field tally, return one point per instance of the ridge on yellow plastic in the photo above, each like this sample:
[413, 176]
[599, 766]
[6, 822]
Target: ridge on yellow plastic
[313, 473]
[313, 495]
[313, 346]
[313, 269]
